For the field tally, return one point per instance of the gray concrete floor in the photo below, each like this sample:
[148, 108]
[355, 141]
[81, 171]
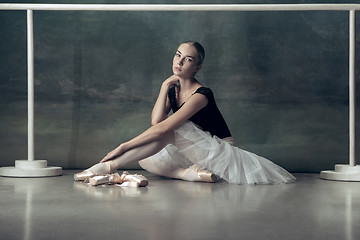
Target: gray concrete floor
[58, 208]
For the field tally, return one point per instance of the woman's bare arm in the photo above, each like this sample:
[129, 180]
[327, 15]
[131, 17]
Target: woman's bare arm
[192, 106]
[162, 104]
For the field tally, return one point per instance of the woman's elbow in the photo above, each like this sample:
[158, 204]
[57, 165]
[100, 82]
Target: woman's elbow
[155, 121]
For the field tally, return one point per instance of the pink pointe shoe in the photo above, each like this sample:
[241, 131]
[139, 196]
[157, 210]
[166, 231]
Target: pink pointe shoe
[84, 175]
[126, 180]
[194, 174]
[129, 179]
[107, 178]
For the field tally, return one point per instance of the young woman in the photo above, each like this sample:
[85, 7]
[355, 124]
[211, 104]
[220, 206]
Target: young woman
[194, 143]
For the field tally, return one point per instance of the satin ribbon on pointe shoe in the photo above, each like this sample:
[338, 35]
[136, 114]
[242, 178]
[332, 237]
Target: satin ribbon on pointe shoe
[107, 178]
[139, 179]
[125, 180]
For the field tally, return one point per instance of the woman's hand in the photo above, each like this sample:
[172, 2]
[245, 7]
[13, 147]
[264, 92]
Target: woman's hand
[114, 153]
[173, 80]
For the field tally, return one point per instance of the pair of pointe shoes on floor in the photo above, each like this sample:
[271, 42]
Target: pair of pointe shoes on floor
[125, 180]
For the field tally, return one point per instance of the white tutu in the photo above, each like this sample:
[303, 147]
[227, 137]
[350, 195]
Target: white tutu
[193, 145]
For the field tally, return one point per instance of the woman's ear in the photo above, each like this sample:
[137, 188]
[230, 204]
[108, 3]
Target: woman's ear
[198, 67]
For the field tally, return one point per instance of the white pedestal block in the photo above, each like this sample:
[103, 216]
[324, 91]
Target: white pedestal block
[342, 172]
[25, 168]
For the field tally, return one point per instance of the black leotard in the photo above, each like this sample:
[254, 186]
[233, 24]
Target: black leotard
[209, 118]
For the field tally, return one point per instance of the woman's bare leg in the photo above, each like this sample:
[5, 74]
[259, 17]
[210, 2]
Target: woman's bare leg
[133, 155]
[192, 173]
[165, 171]
[144, 153]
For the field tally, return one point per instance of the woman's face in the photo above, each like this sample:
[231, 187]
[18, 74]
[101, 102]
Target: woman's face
[185, 62]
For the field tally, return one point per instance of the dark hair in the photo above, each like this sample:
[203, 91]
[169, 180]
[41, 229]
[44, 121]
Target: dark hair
[199, 49]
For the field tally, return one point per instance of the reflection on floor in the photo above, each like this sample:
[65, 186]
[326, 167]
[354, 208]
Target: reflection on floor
[58, 208]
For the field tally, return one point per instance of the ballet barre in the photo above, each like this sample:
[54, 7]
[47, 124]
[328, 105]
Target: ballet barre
[180, 7]
[33, 168]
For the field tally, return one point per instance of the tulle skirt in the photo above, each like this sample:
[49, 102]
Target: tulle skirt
[232, 164]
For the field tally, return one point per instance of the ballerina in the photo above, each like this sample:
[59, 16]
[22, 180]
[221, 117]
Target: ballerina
[194, 143]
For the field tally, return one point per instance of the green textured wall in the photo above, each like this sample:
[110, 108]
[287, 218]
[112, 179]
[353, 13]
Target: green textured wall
[280, 79]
